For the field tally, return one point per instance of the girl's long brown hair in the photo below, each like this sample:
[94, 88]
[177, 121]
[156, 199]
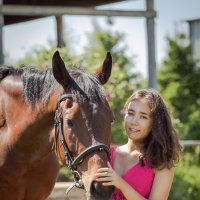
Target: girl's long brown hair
[161, 148]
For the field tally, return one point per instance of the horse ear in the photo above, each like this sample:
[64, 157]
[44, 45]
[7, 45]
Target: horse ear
[59, 71]
[104, 71]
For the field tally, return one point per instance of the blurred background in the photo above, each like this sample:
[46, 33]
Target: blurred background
[83, 40]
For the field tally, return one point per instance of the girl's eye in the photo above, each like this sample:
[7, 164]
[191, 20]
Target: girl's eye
[69, 122]
[130, 113]
[143, 117]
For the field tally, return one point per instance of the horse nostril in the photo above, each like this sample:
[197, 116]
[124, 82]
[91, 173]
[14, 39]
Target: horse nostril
[100, 191]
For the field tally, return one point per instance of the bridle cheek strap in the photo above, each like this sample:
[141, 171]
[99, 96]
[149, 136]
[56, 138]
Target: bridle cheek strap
[70, 162]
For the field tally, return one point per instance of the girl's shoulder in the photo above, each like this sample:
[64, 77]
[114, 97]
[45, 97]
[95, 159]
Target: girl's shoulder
[165, 171]
[162, 183]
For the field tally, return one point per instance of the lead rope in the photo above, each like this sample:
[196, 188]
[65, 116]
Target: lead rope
[77, 182]
[70, 188]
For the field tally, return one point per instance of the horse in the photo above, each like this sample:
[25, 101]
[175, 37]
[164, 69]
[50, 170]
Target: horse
[61, 108]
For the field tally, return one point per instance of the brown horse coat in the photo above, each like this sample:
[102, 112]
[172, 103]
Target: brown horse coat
[28, 100]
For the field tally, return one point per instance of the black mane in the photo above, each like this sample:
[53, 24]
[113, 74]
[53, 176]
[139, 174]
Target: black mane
[38, 84]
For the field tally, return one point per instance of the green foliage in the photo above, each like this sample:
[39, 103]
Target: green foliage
[40, 57]
[179, 78]
[119, 88]
[179, 83]
[186, 184]
[101, 41]
[122, 81]
[64, 174]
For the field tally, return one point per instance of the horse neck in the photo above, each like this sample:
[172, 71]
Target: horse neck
[38, 137]
[28, 127]
[53, 100]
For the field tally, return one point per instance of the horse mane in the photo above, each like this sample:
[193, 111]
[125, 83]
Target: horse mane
[38, 84]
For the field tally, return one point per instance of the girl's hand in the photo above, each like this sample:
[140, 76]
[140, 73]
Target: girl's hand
[108, 176]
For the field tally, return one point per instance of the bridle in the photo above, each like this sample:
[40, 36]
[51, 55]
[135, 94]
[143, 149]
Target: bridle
[72, 162]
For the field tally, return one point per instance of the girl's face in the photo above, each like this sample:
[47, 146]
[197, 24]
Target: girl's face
[138, 120]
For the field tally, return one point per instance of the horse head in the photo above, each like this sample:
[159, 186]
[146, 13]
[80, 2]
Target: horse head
[83, 124]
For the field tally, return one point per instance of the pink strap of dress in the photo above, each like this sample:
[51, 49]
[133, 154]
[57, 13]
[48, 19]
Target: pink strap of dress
[138, 176]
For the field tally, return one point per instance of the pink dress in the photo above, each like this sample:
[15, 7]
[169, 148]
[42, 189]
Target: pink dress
[138, 176]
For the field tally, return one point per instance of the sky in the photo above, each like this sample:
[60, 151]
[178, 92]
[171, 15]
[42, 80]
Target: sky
[20, 38]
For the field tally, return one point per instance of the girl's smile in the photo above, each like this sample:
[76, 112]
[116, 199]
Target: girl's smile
[138, 120]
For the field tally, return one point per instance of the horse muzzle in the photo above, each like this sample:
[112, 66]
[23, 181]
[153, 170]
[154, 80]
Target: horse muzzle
[100, 192]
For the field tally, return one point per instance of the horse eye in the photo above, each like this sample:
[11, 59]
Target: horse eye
[69, 122]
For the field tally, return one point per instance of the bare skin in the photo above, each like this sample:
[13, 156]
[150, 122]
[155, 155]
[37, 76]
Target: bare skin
[138, 122]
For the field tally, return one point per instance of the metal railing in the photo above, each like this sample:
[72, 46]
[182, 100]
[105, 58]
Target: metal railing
[190, 142]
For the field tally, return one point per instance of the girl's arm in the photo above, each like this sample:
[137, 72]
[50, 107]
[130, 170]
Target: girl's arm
[160, 188]
[162, 184]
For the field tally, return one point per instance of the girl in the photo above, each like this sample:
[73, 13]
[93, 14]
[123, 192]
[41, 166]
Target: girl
[143, 168]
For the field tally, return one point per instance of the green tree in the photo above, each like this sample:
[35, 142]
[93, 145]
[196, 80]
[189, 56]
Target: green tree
[179, 83]
[40, 57]
[123, 80]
